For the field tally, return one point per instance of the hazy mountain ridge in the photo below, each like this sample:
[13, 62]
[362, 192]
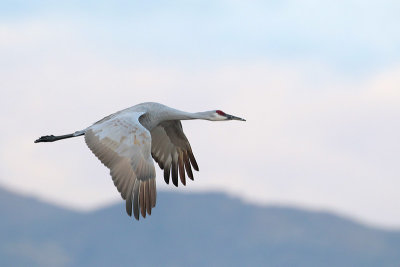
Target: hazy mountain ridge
[188, 229]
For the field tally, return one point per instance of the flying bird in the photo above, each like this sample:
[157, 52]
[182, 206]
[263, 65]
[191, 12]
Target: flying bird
[126, 141]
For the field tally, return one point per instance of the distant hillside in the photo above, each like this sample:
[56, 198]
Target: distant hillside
[187, 230]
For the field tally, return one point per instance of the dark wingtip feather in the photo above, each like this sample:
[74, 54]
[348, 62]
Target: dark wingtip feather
[128, 206]
[148, 197]
[166, 174]
[193, 160]
[187, 165]
[175, 173]
[181, 169]
[142, 202]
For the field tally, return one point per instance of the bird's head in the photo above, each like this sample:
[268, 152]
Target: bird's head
[219, 115]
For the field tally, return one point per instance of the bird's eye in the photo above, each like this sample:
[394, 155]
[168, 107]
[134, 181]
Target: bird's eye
[220, 112]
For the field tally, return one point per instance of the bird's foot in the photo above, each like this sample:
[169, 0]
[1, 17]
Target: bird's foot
[46, 138]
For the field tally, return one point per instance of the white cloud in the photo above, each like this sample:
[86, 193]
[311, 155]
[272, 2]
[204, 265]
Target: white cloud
[21, 33]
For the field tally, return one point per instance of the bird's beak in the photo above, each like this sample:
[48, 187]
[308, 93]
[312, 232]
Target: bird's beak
[231, 117]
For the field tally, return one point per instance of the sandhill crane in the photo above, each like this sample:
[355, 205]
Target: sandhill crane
[126, 141]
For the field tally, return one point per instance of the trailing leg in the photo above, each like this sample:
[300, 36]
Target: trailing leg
[52, 138]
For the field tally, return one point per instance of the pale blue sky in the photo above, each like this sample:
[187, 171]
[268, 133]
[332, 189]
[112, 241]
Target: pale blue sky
[353, 36]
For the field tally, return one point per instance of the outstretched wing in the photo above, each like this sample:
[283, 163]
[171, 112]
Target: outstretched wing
[172, 151]
[123, 145]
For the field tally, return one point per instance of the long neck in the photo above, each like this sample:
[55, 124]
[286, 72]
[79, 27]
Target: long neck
[164, 113]
[182, 115]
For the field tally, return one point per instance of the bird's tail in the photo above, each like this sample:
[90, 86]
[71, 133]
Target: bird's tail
[52, 138]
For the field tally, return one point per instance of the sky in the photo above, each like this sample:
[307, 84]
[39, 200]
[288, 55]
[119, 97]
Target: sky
[317, 81]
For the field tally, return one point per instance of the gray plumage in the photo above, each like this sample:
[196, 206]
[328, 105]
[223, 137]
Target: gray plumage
[128, 140]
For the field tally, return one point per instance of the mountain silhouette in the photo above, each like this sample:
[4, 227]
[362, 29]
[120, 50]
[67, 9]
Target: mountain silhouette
[207, 229]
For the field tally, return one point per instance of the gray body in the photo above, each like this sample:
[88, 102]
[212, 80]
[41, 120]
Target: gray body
[127, 141]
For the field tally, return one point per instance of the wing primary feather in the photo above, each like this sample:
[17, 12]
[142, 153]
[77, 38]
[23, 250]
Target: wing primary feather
[174, 172]
[128, 204]
[166, 174]
[148, 197]
[126, 179]
[136, 199]
[142, 196]
[193, 160]
[153, 192]
[187, 165]
[161, 165]
[181, 168]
